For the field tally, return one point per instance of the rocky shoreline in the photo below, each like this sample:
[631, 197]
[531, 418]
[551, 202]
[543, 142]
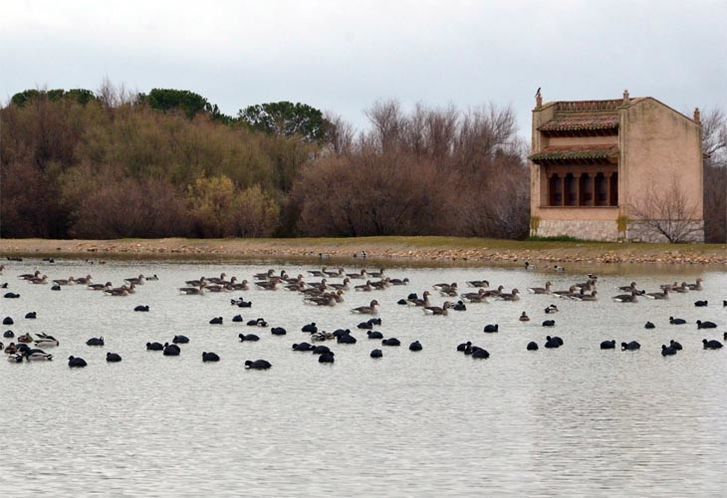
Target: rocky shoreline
[439, 251]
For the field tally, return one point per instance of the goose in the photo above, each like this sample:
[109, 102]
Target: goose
[551, 309]
[95, 341]
[480, 353]
[324, 300]
[706, 325]
[459, 306]
[313, 273]
[99, 287]
[28, 276]
[593, 296]
[676, 321]
[243, 285]
[257, 365]
[478, 283]
[711, 344]
[371, 309]
[668, 350]
[682, 289]
[333, 273]
[475, 297]
[191, 291]
[490, 328]
[532, 346]
[376, 353]
[341, 286]
[512, 296]
[436, 310]
[39, 280]
[494, 292]
[649, 325]
[566, 293]
[415, 346]
[373, 334]
[121, 291]
[524, 317]
[171, 350]
[626, 298]
[360, 275]
[392, 341]
[399, 281]
[209, 357]
[701, 304]
[541, 290]
[674, 344]
[303, 346]
[327, 357]
[11, 349]
[216, 288]
[377, 274]
[180, 339]
[269, 285]
[548, 323]
[218, 281]
[367, 287]
[423, 302]
[658, 295]
[248, 337]
[608, 344]
[696, 286]
[69, 281]
[46, 340]
[154, 346]
[135, 280]
[196, 283]
[113, 357]
[380, 284]
[76, 362]
[629, 288]
[445, 287]
[630, 346]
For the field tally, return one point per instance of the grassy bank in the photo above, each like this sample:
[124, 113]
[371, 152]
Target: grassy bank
[415, 249]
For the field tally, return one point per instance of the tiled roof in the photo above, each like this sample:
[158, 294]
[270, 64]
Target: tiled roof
[589, 105]
[576, 152]
[581, 123]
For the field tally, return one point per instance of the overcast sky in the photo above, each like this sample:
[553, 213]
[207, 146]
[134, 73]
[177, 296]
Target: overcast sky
[342, 56]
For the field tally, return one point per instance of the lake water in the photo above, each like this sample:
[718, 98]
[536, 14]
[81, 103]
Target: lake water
[575, 421]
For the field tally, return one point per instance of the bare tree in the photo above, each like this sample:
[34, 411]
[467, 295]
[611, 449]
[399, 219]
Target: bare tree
[667, 214]
[714, 148]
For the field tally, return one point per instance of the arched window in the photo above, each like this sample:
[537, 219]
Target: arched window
[586, 190]
[613, 201]
[571, 190]
[555, 191]
[601, 190]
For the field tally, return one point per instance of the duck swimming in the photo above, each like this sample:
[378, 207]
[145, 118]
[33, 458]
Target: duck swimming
[371, 309]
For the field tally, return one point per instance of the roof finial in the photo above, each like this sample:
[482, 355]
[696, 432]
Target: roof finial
[538, 99]
[626, 96]
[697, 116]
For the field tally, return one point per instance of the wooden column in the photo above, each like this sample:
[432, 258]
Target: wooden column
[608, 188]
[562, 190]
[577, 178]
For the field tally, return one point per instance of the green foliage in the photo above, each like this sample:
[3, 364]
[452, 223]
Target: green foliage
[169, 99]
[78, 95]
[286, 119]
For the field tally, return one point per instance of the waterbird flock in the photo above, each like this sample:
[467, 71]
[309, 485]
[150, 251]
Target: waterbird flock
[328, 289]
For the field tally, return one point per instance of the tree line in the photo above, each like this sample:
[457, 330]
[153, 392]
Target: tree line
[112, 164]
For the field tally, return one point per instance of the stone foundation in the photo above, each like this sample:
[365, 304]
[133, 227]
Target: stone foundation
[638, 231]
[580, 229]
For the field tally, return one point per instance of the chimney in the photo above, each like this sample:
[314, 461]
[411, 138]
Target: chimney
[626, 97]
[697, 116]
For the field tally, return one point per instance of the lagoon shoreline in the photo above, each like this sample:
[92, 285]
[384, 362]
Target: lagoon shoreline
[431, 250]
